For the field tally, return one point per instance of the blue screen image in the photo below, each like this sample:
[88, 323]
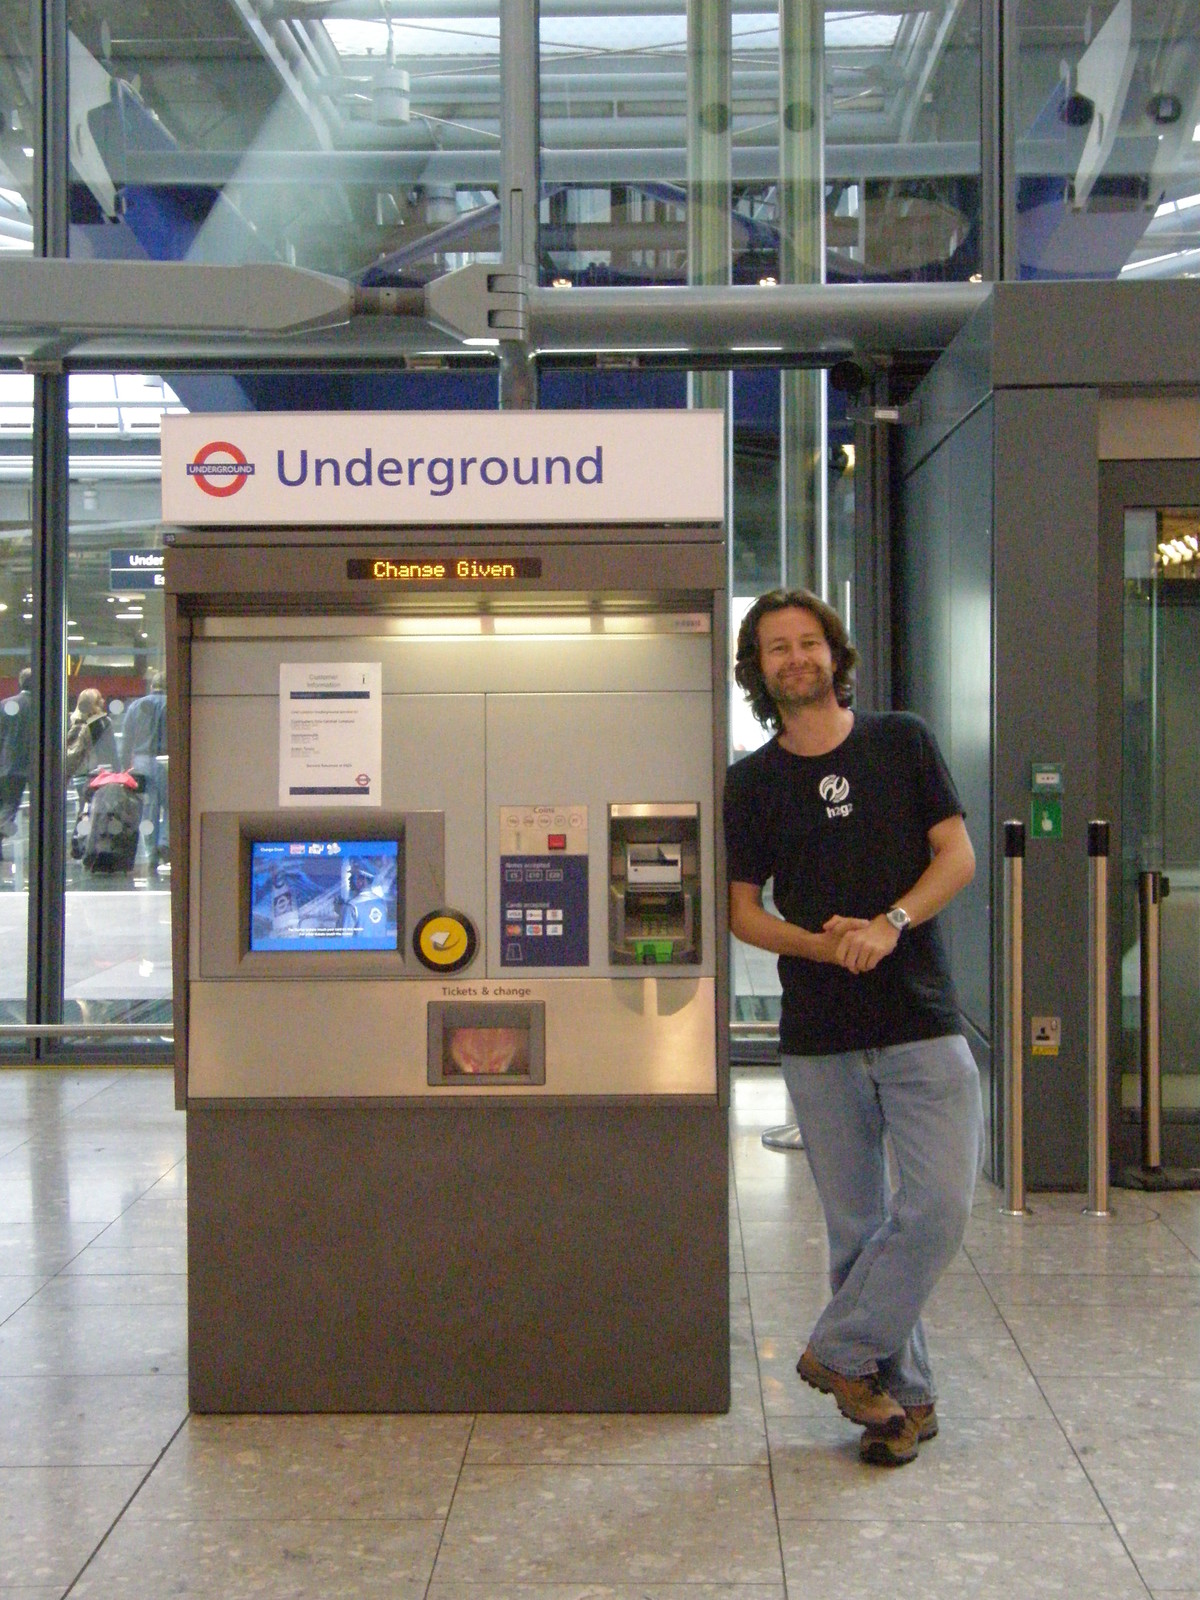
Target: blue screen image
[323, 894]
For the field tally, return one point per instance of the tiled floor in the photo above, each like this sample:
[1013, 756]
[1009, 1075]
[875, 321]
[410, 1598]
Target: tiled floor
[1068, 1464]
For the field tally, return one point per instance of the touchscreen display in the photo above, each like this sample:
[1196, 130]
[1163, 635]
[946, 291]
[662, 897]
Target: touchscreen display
[323, 894]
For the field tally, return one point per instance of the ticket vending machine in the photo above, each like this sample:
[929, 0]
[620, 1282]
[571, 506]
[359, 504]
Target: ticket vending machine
[448, 914]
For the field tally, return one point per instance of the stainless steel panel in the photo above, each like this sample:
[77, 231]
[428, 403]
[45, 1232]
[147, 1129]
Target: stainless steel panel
[469, 663]
[628, 1036]
[432, 761]
[600, 750]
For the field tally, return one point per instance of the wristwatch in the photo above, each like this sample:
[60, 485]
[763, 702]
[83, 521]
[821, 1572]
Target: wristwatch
[898, 917]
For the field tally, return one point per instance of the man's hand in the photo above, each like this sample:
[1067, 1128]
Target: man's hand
[861, 944]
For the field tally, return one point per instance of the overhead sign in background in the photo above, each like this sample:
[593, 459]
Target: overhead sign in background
[443, 467]
[130, 571]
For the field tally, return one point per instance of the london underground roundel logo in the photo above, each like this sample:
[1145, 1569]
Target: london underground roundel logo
[220, 468]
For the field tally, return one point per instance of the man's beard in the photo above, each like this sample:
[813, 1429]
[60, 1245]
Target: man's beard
[813, 689]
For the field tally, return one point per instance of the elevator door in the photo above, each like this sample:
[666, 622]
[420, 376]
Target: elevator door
[1160, 795]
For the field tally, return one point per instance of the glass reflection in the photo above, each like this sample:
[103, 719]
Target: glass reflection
[117, 964]
[898, 129]
[1106, 140]
[363, 143]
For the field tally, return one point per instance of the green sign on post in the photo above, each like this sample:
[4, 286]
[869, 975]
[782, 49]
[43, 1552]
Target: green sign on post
[1045, 816]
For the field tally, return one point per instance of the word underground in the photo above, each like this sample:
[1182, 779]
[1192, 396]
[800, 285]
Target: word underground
[443, 474]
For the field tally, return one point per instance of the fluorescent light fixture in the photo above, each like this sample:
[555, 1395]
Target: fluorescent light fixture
[489, 344]
[542, 626]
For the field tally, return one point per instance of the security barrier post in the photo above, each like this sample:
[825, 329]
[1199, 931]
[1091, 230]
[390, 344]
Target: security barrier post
[1097, 849]
[1014, 1027]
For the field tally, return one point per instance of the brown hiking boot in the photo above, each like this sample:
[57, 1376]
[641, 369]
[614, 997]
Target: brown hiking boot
[863, 1399]
[891, 1449]
[926, 1420]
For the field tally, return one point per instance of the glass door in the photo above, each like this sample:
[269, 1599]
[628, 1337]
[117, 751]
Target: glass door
[1161, 790]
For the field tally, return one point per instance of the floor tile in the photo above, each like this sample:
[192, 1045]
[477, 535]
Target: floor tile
[52, 1519]
[1091, 1248]
[41, 1249]
[600, 1591]
[994, 1470]
[105, 1261]
[969, 1561]
[1136, 1438]
[1013, 1289]
[93, 1340]
[245, 1560]
[15, 1292]
[736, 1439]
[95, 1422]
[114, 1289]
[309, 1468]
[1106, 1340]
[611, 1525]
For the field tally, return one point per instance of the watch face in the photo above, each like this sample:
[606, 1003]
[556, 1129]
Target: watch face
[898, 918]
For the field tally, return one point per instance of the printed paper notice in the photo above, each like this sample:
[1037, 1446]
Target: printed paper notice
[330, 733]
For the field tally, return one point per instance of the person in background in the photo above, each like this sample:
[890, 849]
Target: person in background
[143, 741]
[91, 742]
[16, 735]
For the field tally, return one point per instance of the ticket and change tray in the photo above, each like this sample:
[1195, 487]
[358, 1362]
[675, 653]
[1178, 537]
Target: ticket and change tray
[447, 717]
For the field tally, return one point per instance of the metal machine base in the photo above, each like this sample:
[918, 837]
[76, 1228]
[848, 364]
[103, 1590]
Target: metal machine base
[1160, 1179]
[502, 1256]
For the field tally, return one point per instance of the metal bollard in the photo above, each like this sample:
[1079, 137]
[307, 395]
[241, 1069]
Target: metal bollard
[1097, 849]
[1014, 1023]
[1152, 886]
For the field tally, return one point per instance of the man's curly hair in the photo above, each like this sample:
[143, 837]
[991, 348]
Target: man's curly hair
[748, 672]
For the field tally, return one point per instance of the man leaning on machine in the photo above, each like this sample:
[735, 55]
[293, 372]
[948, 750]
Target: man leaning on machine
[854, 819]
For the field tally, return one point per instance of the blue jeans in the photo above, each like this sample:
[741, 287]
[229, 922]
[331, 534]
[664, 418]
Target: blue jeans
[886, 1252]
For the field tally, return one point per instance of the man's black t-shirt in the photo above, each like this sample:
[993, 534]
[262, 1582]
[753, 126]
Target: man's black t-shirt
[846, 834]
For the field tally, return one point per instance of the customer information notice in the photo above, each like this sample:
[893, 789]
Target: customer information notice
[330, 733]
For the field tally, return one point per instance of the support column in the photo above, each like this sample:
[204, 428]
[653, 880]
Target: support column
[709, 188]
[802, 260]
[520, 188]
[998, 46]
[49, 523]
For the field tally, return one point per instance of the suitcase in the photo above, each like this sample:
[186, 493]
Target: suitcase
[115, 806]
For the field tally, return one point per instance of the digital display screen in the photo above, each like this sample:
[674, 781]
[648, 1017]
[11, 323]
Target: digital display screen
[480, 569]
[323, 894]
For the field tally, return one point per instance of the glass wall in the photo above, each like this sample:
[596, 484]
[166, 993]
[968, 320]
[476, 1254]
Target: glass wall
[363, 143]
[1108, 139]
[884, 101]
[117, 958]
[16, 729]
[17, 129]
[362, 138]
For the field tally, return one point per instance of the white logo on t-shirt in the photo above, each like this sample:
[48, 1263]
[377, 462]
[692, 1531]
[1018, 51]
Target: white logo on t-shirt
[834, 790]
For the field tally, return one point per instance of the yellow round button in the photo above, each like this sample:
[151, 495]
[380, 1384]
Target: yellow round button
[445, 940]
